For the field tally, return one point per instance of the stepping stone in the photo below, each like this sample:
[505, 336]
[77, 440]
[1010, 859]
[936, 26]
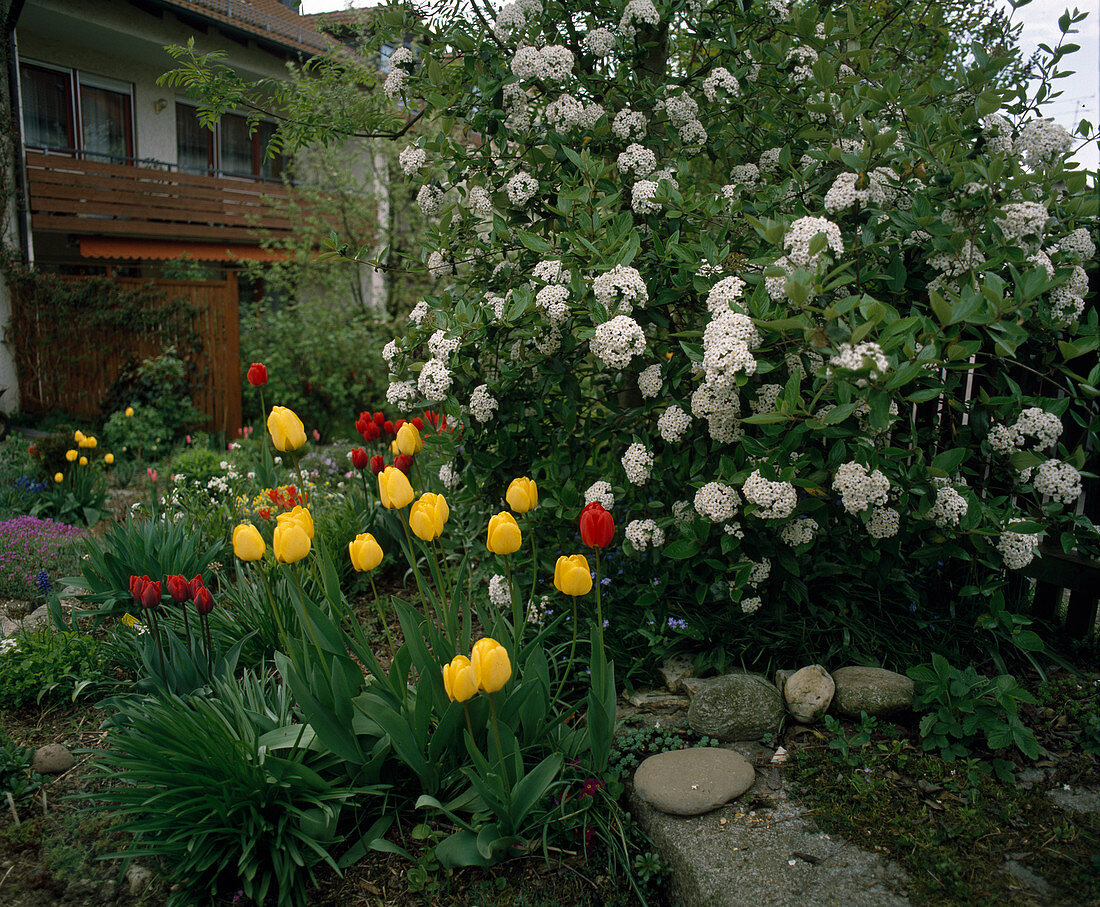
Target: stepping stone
[693, 781]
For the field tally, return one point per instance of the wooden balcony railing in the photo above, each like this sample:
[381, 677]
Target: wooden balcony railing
[69, 194]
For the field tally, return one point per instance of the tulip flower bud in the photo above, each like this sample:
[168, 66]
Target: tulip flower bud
[504, 536]
[403, 462]
[71, 455]
[290, 541]
[572, 575]
[257, 374]
[379, 419]
[522, 495]
[196, 584]
[597, 526]
[365, 552]
[137, 583]
[248, 544]
[129, 413]
[359, 458]
[204, 601]
[409, 440]
[418, 422]
[150, 594]
[178, 588]
[287, 431]
[387, 427]
[492, 667]
[298, 515]
[58, 477]
[83, 461]
[109, 458]
[427, 516]
[394, 489]
[377, 464]
[78, 436]
[459, 680]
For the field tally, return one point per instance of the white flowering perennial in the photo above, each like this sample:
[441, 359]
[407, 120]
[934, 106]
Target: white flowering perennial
[553, 63]
[620, 289]
[799, 532]
[673, 424]
[649, 381]
[500, 592]
[1060, 481]
[747, 175]
[483, 405]
[642, 195]
[1079, 244]
[638, 463]
[853, 189]
[800, 236]
[1034, 422]
[858, 488]
[412, 159]
[401, 394]
[1017, 549]
[774, 500]
[629, 125]
[1020, 219]
[724, 294]
[434, 380]
[727, 346]
[643, 534]
[442, 346]
[1043, 141]
[599, 42]
[638, 160]
[553, 302]
[717, 502]
[860, 357]
[600, 493]
[751, 605]
[884, 523]
[949, 507]
[449, 476]
[430, 200]
[766, 396]
[479, 201]
[618, 341]
[398, 76]
[551, 271]
[521, 188]
[638, 12]
[718, 79]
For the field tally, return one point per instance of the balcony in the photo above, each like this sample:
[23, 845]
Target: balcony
[144, 199]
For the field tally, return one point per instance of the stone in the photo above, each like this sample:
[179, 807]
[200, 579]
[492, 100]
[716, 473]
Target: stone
[8, 627]
[657, 700]
[692, 685]
[52, 759]
[736, 707]
[809, 692]
[876, 691]
[781, 678]
[37, 620]
[674, 671]
[1076, 799]
[692, 781]
[1036, 883]
[138, 879]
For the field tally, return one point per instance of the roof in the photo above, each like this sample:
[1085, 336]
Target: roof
[266, 20]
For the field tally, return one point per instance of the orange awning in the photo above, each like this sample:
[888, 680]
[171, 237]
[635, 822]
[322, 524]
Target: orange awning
[108, 247]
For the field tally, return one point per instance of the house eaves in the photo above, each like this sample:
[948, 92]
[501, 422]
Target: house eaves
[267, 22]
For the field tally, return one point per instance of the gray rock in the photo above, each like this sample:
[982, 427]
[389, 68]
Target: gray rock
[692, 685]
[52, 759]
[1036, 883]
[657, 700]
[692, 781]
[809, 692]
[781, 678]
[1027, 778]
[8, 627]
[675, 671]
[736, 707]
[1076, 799]
[37, 620]
[138, 879]
[80, 888]
[875, 691]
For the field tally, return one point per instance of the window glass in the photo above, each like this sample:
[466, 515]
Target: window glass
[47, 107]
[106, 124]
[194, 143]
[236, 146]
[270, 167]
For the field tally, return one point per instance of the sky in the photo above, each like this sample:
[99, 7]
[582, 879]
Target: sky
[1080, 93]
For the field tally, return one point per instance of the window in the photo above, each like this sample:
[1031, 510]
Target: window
[194, 142]
[232, 149]
[67, 110]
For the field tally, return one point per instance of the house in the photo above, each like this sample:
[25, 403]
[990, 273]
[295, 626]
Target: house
[112, 173]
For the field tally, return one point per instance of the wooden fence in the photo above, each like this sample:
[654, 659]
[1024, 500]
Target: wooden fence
[51, 378]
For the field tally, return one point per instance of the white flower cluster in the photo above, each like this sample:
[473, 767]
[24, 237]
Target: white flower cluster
[649, 381]
[860, 489]
[776, 500]
[673, 424]
[1065, 306]
[599, 42]
[495, 304]
[637, 159]
[500, 592]
[412, 159]
[479, 201]
[718, 402]
[644, 534]
[439, 265]
[1017, 549]
[802, 232]
[760, 572]
[1078, 243]
[389, 353]
[641, 198]
[441, 346]
[521, 188]
[720, 78]
[724, 294]
[683, 113]
[955, 263]
[860, 357]
[618, 341]
[1034, 422]
[638, 463]
[1058, 480]
[728, 339]
[949, 508]
[769, 160]
[1042, 141]
[638, 12]
[401, 394]
[430, 199]
[483, 405]
[752, 604]
[1020, 219]
[553, 302]
[551, 271]
[846, 192]
[398, 76]
[682, 512]
[600, 493]
[629, 124]
[766, 395]
[884, 523]
[803, 58]
[434, 380]
[799, 532]
[622, 283]
[747, 175]
[513, 17]
[449, 476]
[553, 63]
[716, 502]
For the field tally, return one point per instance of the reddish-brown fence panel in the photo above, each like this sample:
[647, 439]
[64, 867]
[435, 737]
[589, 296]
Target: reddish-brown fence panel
[51, 377]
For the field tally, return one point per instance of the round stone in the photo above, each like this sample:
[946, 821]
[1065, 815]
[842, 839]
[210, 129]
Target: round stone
[693, 781]
[875, 691]
[52, 759]
[737, 707]
[808, 692]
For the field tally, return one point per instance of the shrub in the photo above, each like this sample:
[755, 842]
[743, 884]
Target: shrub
[143, 436]
[34, 555]
[37, 667]
[199, 464]
[161, 384]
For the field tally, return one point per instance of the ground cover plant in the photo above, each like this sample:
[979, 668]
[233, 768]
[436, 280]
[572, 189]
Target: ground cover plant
[34, 555]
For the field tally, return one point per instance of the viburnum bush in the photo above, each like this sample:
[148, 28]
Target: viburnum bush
[814, 328]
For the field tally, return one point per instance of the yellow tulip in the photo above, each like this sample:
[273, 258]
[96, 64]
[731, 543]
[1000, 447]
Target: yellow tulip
[365, 552]
[298, 515]
[109, 458]
[78, 436]
[248, 544]
[83, 461]
[71, 455]
[427, 516]
[287, 431]
[394, 449]
[58, 477]
[492, 668]
[290, 542]
[409, 440]
[504, 535]
[91, 442]
[129, 414]
[572, 576]
[394, 488]
[522, 495]
[459, 680]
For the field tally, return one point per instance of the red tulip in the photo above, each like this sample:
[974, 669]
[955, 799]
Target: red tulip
[377, 464]
[204, 601]
[137, 583]
[257, 374]
[359, 458]
[397, 425]
[388, 428]
[418, 422]
[379, 419]
[150, 594]
[178, 588]
[597, 526]
[403, 462]
[197, 584]
[371, 431]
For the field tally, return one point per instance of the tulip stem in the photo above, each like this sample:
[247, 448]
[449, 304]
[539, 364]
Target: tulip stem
[186, 625]
[599, 609]
[382, 617]
[572, 651]
[414, 561]
[274, 608]
[469, 726]
[496, 735]
[366, 491]
[306, 620]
